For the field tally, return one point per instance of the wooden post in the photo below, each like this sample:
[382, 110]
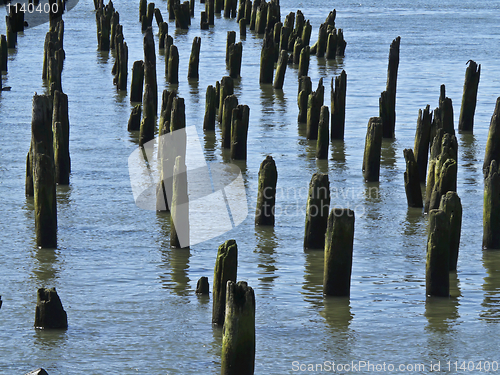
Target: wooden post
[104, 30]
[239, 132]
[412, 181]
[230, 103]
[387, 102]
[491, 208]
[134, 122]
[194, 59]
[226, 89]
[253, 14]
[267, 59]
[446, 112]
[445, 180]
[338, 253]
[158, 17]
[166, 111]
[3, 54]
[162, 32]
[305, 88]
[143, 6]
[284, 37]
[179, 210]
[49, 312]
[238, 340]
[204, 21]
[305, 55]
[314, 104]
[170, 8]
[173, 65]
[226, 267]
[137, 82]
[452, 207]
[115, 21]
[341, 43]
[150, 67]
[243, 28]
[422, 141]
[150, 14]
[322, 40]
[169, 41]
[235, 56]
[317, 209]
[306, 33]
[297, 49]
[202, 286]
[209, 10]
[231, 39]
[373, 149]
[241, 11]
[338, 95]
[182, 15]
[323, 136]
[248, 12]
[148, 124]
[279, 78]
[492, 143]
[469, 97]
[261, 18]
[210, 109]
[123, 65]
[266, 196]
[437, 269]
[218, 5]
[60, 129]
[331, 46]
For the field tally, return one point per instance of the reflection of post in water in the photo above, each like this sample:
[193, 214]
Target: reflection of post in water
[414, 222]
[469, 152]
[338, 154]
[313, 277]
[266, 246]
[388, 154]
[442, 312]
[337, 312]
[491, 287]
[45, 270]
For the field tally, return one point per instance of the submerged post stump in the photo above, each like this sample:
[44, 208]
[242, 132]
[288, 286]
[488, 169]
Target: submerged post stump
[226, 89]
[314, 104]
[235, 57]
[226, 267]
[452, 207]
[267, 59]
[323, 136]
[239, 132]
[137, 82]
[338, 95]
[437, 269]
[493, 142]
[491, 208]
[179, 210]
[279, 78]
[469, 97]
[230, 103]
[49, 312]
[150, 67]
[173, 65]
[3, 53]
[305, 88]
[317, 209]
[231, 39]
[422, 141]
[373, 150]
[202, 286]
[305, 56]
[210, 109]
[266, 196]
[148, 124]
[338, 253]
[412, 181]
[134, 122]
[60, 128]
[238, 340]
[194, 59]
[387, 103]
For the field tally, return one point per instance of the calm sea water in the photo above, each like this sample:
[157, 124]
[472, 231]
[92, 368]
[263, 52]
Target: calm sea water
[130, 298]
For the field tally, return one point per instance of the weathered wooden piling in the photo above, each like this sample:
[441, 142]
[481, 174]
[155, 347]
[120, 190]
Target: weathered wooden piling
[150, 14]
[305, 88]
[115, 21]
[143, 7]
[243, 28]
[210, 10]
[179, 210]
[235, 57]
[387, 102]
[226, 267]
[173, 65]
[437, 282]
[210, 109]
[261, 18]
[284, 37]
[323, 134]
[204, 21]
[162, 32]
[338, 253]
[314, 104]
[148, 124]
[452, 207]
[238, 340]
[317, 209]
[373, 149]
[266, 196]
[298, 46]
[279, 78]
[150, 67]
[122, 56]
[137, 82]
[491, 208]
[338, 95]
[322, 40]
[158, 17]
[304, 58]
[3, 54]
[226, 88]
[493, 141]
[248, 12]
[469, 97]
[306, 33]
[134, 122]
[446, 112]
[194, 59]
[230, 103]
[228, 8]
[267, 59]
[182, 15]
[60, 129]
[166, 111]
[253, 14]
[170, 9]
[103, 18]
[202, 286]
[412, 180]
[231, 39]
[49, 312]
[168, 41]
[239, 132]
[422, 141]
